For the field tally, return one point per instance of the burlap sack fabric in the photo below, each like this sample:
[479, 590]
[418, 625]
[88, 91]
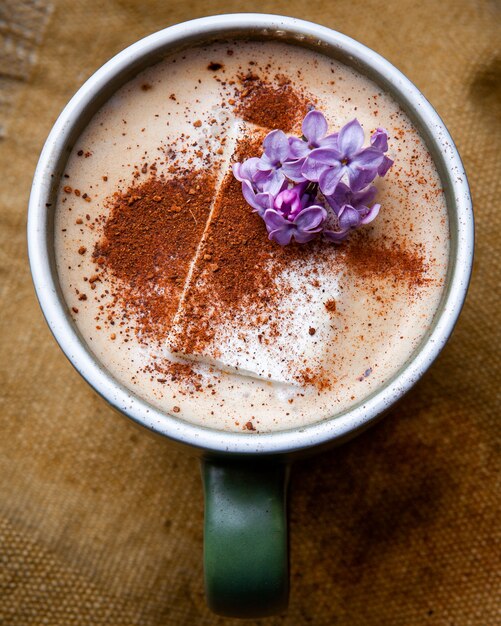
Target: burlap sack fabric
[102, 524]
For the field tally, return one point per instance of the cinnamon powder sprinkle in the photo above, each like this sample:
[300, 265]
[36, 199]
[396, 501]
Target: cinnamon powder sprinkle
[273, 106]
[148, 244]
[371, 259]
[182, 373]
[330, 305]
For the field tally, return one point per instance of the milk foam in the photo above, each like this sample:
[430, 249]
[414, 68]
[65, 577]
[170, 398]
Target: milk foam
[377, 323]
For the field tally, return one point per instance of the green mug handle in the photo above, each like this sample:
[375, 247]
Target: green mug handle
[246, 558]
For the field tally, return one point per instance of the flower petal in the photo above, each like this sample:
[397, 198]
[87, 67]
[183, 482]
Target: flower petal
[304, 237]
[298, 148]
[373, 212]
[245, 170]
[329, 179]
[273, 183]
[359, 179]
[260, 179]
[258, 201]
[363, 197]
[336, 237]
[351, 138]
[379, 139]
[342, 195]
[238, 173]
[318, 161]
[367, 159]
[310, 218]
[273, 220]
[283, 235]
[385, 166]
[249, 194]
[292, 169]
[314, 127]
[348, 218]
[331, 141]
[264, 164]
[328, 156]
[276, 146]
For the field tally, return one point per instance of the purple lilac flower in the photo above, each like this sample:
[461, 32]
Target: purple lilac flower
[246, 170]
[290, 202]
[329, 165]
[260, 201]
[314, 136]
[283, 186]
[314, 129]
[275, 166]
[262, 181]
[379, 140]
[294, 217]
[351, 209]
[303, 228]
[358, 200]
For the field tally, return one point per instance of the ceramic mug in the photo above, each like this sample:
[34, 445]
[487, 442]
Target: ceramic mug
[245, 475]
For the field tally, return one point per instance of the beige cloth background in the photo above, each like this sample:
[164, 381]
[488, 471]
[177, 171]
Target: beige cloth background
[101, 524]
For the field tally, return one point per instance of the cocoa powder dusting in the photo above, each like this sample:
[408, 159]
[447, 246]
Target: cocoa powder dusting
[148, 244]
[273, 106]
[330, 305]
[380, 258]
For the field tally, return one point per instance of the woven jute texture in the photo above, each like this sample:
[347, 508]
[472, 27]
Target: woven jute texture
[101, 523]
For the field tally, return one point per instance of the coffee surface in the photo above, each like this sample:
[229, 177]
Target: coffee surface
[171, 278]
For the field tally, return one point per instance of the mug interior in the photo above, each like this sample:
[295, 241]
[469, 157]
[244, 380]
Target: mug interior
[149, 51]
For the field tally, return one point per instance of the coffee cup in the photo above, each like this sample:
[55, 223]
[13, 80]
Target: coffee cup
[245, 474]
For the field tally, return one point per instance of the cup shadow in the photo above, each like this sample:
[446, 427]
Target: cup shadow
[361, 513]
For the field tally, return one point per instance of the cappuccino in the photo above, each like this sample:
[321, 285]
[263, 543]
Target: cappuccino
[171, 278]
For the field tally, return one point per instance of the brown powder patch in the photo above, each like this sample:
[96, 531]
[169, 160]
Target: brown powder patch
[273, 106]
[330, 305]
[148, 244]
[317, 377]
[384, 258]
